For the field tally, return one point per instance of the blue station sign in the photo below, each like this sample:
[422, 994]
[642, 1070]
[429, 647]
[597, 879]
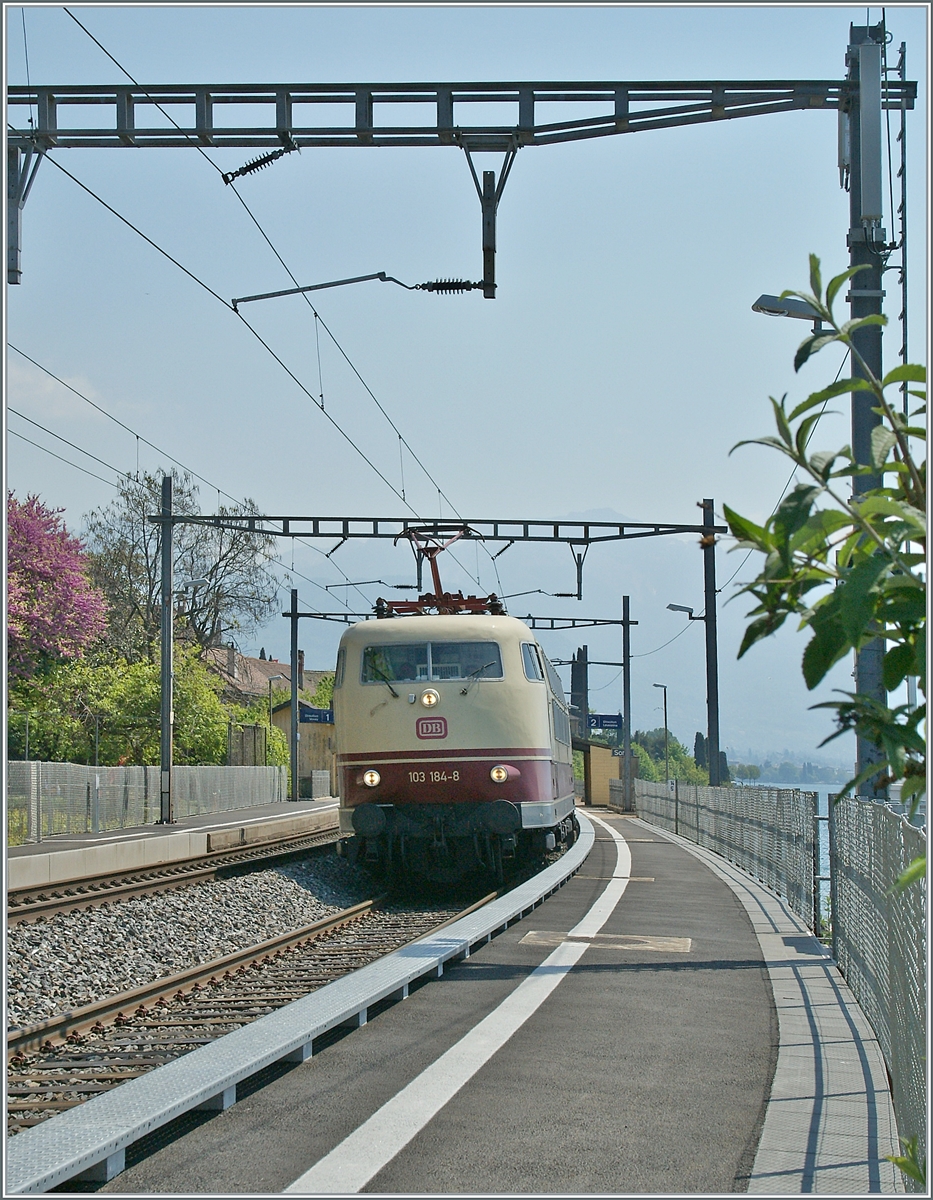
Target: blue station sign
[315, 716]
[604, 721]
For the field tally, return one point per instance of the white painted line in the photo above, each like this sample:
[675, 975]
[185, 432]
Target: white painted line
[360, 1156]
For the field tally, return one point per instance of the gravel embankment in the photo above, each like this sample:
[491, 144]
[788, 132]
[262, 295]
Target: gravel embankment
[79, 957]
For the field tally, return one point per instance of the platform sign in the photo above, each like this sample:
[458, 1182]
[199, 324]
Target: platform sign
[316, 716]
[604, 721]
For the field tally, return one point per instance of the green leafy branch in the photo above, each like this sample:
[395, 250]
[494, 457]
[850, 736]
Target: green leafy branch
[848, 566]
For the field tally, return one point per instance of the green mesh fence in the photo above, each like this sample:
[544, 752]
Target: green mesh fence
[44, 799]
[880, 942]
[768, 832]
[879, 931]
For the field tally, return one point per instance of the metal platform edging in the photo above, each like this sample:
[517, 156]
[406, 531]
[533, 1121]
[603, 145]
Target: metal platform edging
[91, 1139]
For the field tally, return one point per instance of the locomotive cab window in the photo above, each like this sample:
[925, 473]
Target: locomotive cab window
[532, 663]
[431, 661]
[341, 667]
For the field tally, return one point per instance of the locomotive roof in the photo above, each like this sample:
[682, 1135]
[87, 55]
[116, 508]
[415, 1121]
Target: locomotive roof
[455, 627]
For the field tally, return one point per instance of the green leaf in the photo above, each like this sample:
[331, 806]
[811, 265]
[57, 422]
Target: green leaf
[810, 346]
[916, 870]
[912, 372]
[856, 598]
[816, 283]
[882, 441]
[898, 664]
[910, 1163]
[746, 530]
[872, 319]
[827, 646]
[838, 388]
[774, 443]
[832, 288]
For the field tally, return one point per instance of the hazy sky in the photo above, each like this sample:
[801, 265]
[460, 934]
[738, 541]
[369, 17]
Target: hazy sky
[617, 367]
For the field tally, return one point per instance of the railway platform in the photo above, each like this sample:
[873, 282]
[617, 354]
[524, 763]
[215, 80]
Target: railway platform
[69, 857]
[659, 1024]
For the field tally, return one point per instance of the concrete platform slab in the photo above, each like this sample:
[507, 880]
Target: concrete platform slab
[69, 857]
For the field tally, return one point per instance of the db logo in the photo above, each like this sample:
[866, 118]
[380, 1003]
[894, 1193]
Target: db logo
[431, 727]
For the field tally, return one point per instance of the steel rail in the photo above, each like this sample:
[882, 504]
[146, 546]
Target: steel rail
[93, 1138]
[28, 904]
[89, 1016]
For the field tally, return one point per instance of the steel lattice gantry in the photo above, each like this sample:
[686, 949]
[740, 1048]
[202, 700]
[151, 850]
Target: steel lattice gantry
[367, 114]
[349, 111]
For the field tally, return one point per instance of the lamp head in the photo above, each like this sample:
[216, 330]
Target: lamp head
[680, 608]
[774, 306]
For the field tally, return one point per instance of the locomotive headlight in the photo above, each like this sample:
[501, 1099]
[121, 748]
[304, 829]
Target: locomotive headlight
[499, 774]
[371, 778]
[429, 698]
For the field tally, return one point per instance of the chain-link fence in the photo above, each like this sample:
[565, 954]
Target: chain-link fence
[879, 932]
[880, 942]
[44, 799]
[769, 832]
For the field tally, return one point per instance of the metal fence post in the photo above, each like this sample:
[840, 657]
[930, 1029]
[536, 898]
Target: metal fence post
[833, 884]
[817, 864]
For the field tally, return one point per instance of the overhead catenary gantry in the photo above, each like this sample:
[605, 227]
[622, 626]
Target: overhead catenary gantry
[317, 115]
[420, 533]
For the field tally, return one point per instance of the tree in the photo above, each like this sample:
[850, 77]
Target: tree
[125, 555]
[116, 704]
[680, 762]
[53, 611]
[844, 564]
[699, 752]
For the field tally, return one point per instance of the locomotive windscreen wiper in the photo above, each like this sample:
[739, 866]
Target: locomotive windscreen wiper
[385, 679]
[472, 674]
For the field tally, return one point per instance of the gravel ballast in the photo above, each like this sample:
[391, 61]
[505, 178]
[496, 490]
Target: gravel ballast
[79, 957]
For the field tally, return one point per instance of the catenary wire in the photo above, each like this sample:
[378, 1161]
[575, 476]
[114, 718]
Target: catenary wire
[108, 482]
[59, 438]
[317, 317]
[258, 337]
[168, 116]
[265, 236]
[140, 438]
[254, 332]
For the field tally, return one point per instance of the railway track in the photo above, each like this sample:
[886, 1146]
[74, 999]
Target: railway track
[104, 1044]
[28, 904]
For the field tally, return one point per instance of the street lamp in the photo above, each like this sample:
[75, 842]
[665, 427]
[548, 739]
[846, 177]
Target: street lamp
[712, 654]
[667, 769]
[272, 679]
[774, 306]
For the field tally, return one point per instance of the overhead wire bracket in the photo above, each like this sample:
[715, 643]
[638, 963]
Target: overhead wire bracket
[440, 286]
[490, 193]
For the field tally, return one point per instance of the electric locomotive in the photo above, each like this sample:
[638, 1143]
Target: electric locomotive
[453, 740]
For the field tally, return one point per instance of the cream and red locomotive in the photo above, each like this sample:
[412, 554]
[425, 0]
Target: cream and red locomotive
[453, 741]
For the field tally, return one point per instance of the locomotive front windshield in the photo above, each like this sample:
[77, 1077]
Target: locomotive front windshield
[431, 661]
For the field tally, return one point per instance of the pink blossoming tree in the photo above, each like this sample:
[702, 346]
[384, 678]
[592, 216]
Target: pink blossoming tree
[53, 611]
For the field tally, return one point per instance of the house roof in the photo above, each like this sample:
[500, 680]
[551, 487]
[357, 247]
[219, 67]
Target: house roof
[250, 677]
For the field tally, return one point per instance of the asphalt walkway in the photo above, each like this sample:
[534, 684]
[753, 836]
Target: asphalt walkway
[661, 1024]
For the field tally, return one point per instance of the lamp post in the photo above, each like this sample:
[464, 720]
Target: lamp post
[272, 679]
[861, 142]
[712, 654]
[667, 769]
